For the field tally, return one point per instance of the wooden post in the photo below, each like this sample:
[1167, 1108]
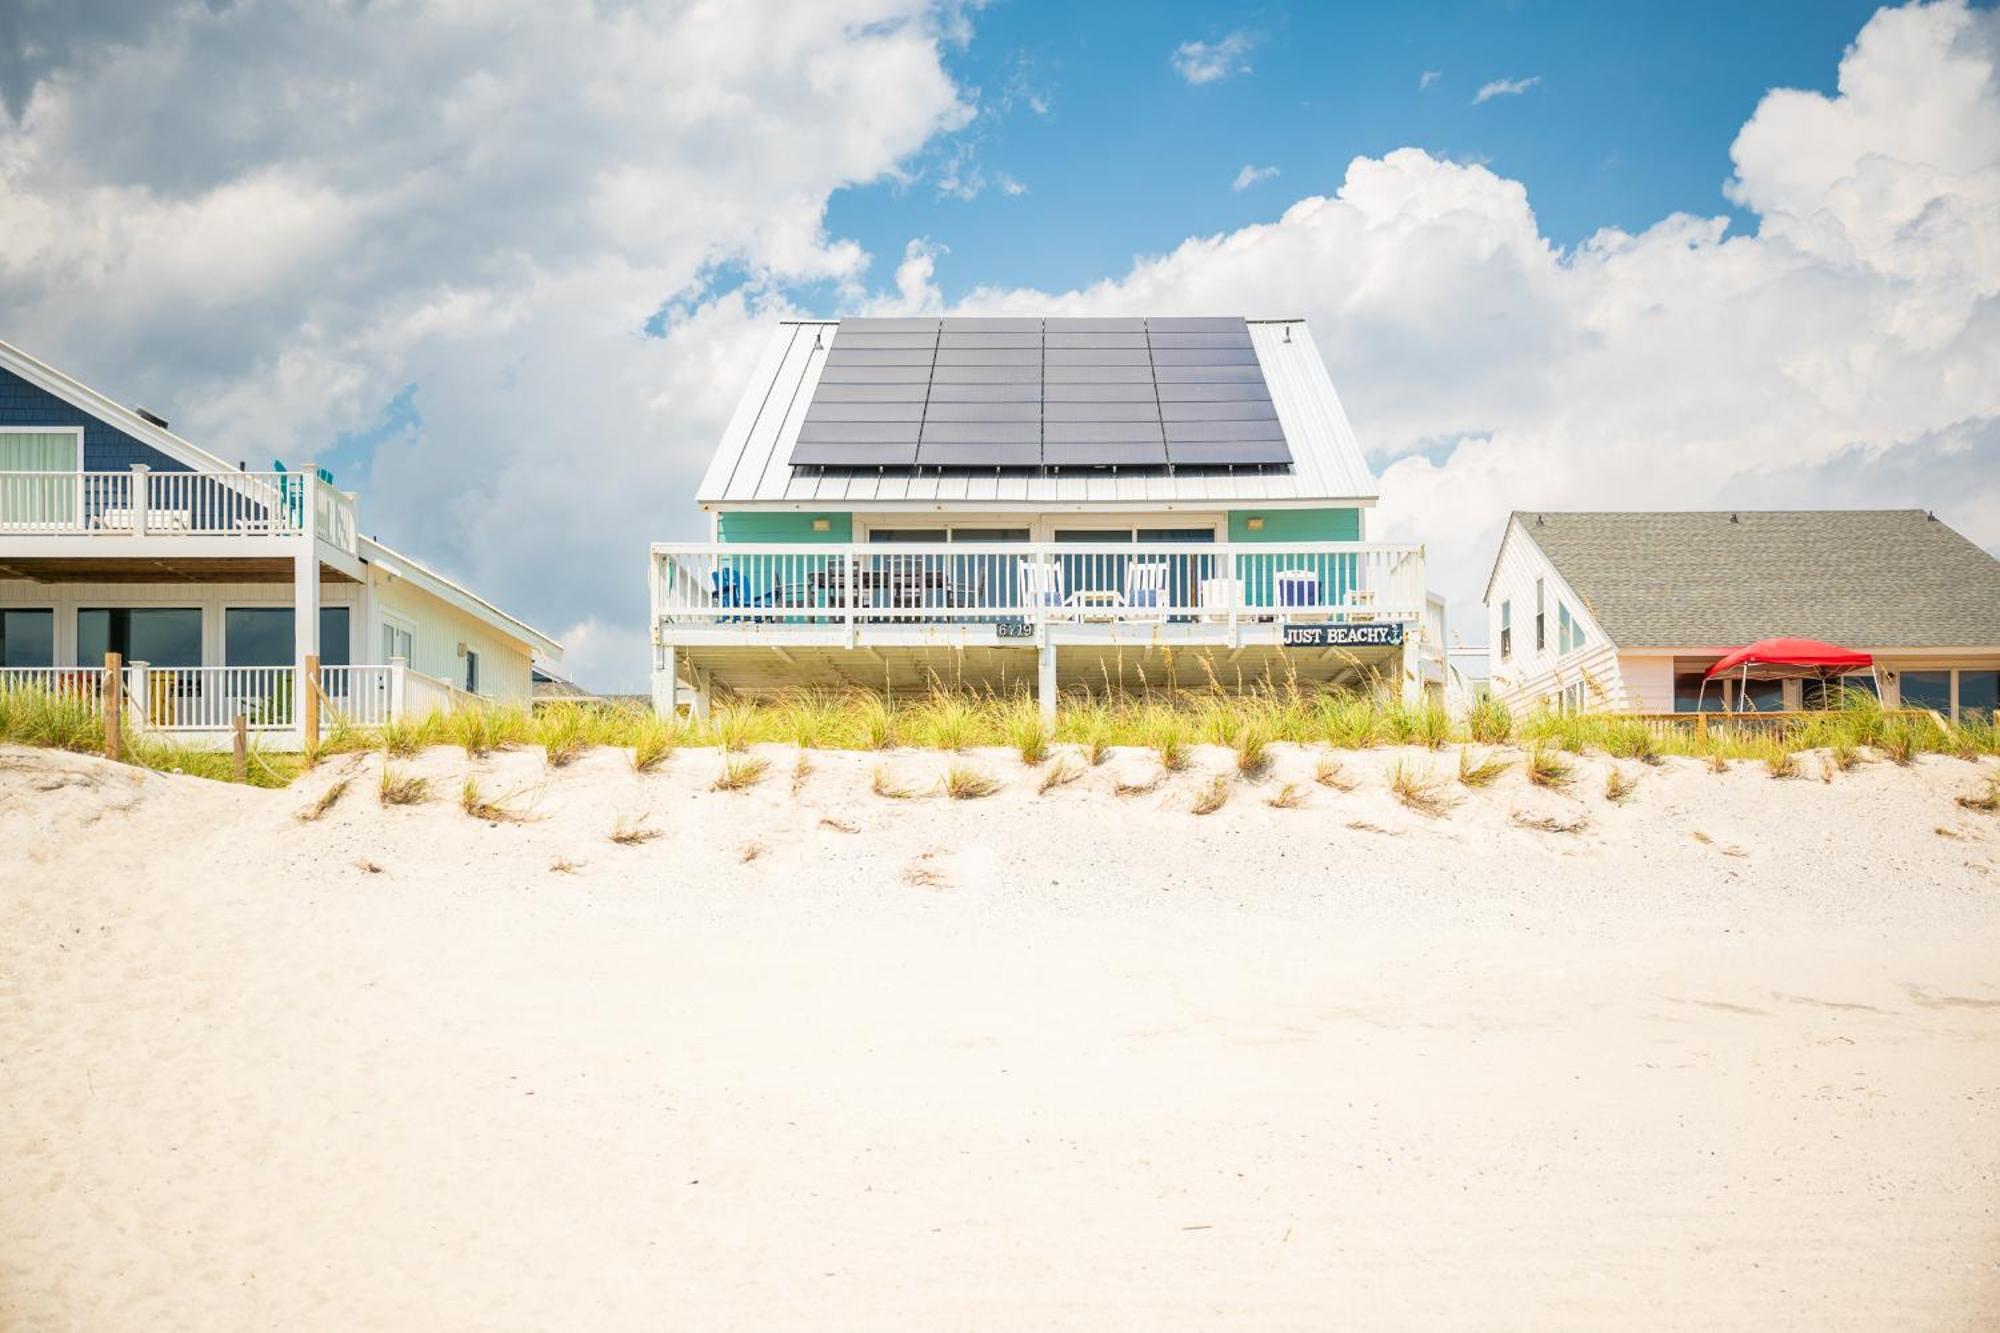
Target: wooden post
[311, 703]
[1701, 727]
[114, 706]
[239, 748]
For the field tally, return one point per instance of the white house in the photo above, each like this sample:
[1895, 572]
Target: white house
[1626, 611]
[214, 584]
[1067, 503]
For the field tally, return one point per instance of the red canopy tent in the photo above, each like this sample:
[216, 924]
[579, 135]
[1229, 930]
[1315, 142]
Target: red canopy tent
[1788, 659]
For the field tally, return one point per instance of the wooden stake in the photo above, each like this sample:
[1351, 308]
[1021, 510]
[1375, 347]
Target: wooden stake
[311, 703]
[239, 747]
[114, 706]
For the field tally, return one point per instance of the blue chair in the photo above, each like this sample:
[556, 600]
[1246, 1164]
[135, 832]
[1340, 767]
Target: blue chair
[731, 589]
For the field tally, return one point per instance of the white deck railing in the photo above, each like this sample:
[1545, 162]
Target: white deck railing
[81, 683]
[142, 502]
[205, 699]
[1060, 582]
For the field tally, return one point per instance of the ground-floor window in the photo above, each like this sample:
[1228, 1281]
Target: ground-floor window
[1835, 693]
[1978, 695]
[27, 638]
[1927, 689]
[161, 636]
[255, 636]
[471, 671]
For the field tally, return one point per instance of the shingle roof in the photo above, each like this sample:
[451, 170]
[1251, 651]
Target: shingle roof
[1867, 578]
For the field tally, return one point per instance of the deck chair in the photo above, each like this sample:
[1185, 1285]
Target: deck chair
[1040, 584]
[1218, 595]
[731, 589]
[1298, 587]
[1146, 589]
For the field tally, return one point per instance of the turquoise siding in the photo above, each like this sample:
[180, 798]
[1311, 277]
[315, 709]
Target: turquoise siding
[758, 527]
[1296, 525]
[1337, 574]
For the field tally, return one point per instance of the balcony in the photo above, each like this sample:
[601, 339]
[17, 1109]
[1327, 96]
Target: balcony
[212, 513]
[987, 593]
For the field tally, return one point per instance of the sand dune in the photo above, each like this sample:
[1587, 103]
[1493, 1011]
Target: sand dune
[1727, 1056]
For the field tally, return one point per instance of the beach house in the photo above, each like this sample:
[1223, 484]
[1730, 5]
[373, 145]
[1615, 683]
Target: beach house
[1628, 611]
[217, 586]
[1048, 503]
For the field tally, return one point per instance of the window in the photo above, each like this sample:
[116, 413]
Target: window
[1506, 630]
[397, 642]
[1541, 620]
[1690, 697]
[1836, 692]
[1978, 695]
[158, 636]
[1760, 696]
[885, 536]
[262, 636]
[49, 498]
[471, 672]
[1927, 689]
[27, 638]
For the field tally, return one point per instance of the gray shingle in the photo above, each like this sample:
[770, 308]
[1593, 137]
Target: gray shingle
[1865, 578]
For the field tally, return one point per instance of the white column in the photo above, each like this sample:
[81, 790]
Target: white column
[664, 683]
[1045, 679]
[141, 498]
[698, 709]
[399, 683]
[305, 605]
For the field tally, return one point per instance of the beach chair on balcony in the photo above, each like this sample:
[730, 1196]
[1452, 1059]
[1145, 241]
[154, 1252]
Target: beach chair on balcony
[1041, 587]
[1297, 588]
[1146, 590]
[1219, 596]
[731, 589]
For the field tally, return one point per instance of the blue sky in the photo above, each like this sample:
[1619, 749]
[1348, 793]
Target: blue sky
[1630, 120]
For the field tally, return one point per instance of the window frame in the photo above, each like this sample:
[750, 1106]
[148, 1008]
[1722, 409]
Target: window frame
[1541, 618]
[1506, 629]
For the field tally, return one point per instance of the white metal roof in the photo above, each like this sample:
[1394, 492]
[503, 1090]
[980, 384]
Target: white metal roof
[751, 468]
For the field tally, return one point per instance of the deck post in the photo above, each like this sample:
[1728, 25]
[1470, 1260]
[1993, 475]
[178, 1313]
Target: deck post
[309, 702]
[305, 615]
[140, 499]
[239, 748]
[698, 709]
[399, 673]
[664, 683]
[1045, 678]
[114, 706]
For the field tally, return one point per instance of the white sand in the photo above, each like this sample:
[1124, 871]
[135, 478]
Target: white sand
[1034, 1062]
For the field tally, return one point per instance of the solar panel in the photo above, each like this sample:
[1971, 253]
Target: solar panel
[1006, 392]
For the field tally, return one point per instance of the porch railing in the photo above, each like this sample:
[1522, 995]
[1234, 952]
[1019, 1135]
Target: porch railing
[143, 502]
[1059, 582]
[185, 699]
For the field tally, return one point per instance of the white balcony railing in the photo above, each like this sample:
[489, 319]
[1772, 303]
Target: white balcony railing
[142, 502]
[209, 699]
[1036, 583]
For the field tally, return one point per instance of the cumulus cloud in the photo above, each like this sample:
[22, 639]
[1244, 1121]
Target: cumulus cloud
[1209, 62]
[1252, 175]
[1848, 352]
[1504, 88]
[273, 219]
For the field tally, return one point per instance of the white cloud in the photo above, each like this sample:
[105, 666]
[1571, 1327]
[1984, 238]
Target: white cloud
[1252, 175]
[268, 220]
[1010, 186]
[1504, 88]
[1208, 62]
[1846, 353]
[1427, 78]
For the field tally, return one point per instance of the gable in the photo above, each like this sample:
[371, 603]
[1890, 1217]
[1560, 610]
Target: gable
[105, 447]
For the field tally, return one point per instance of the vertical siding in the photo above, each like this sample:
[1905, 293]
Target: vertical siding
[104, 449]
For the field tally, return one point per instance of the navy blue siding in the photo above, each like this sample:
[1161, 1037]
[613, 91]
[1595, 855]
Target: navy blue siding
[105, 449]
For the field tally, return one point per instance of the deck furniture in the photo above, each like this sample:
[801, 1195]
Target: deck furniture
[1040, 584]
[1219, 596]
[1146, 589]
[1298, 588]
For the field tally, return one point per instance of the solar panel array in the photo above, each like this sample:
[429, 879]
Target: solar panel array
[1041, 393]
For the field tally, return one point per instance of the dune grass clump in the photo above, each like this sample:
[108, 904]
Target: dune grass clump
[476, 803]
[1253, 751]
[962, 782]
[1548, 769]
[51, 720]
[1291, 796]
[1057, 775]
[887, 787]
[1618, 788]
[1423, 792]
[1329, 772]
[633, 832]
[740, 773]
[402, 789]
[653, 739]
[1780, 761]
[1484, 773]
[565, 731]
[1213, 795]
[1984, 802]
[329, 798]
[1488, 722]
[482, 730]
[1026, 732]
[1575, 823]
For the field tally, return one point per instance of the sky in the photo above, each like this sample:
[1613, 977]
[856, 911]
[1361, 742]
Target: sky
[506, 265]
